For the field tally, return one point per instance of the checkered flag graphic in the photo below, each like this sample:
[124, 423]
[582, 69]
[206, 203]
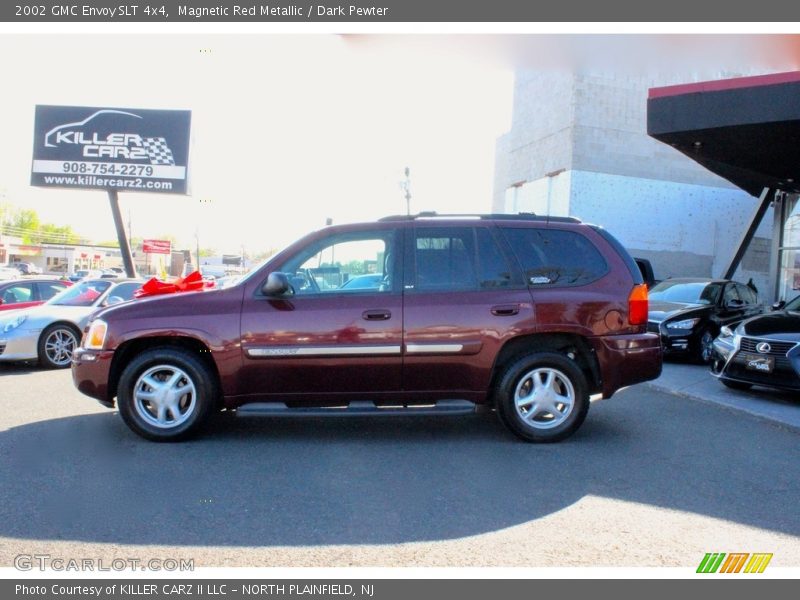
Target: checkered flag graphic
[158, 152]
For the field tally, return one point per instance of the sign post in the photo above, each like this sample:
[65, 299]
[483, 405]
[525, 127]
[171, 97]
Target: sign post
[112, 149]
[124, 245]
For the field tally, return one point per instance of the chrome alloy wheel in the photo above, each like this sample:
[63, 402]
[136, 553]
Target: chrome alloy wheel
[59, 346]
[544, 398]
[164, 396]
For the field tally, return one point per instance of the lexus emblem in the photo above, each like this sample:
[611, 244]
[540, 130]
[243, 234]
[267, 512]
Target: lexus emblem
[764, 348]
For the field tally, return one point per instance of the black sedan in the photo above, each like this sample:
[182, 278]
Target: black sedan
[764, 350]
[689, 313]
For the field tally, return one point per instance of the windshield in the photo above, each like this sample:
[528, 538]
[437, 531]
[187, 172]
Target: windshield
[81, 294]
[699, 292]
[793, 305]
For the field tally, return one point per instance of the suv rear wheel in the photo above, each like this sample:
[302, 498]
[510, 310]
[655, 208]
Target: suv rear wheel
[542, 397]
[166, 394]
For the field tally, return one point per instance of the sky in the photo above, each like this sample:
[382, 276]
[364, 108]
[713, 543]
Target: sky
[287, 130]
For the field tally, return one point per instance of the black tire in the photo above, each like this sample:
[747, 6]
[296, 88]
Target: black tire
[704, 351]
[736, 385]
[159, 366]
[542, 426]
[56, 345]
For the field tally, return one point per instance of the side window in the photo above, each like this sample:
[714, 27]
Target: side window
[493, 268]
[48, 290]
[729, 294]
[444, 259]
[124, 290]
[22, 292]
[555, 257]
[747, 295]
[359, 262]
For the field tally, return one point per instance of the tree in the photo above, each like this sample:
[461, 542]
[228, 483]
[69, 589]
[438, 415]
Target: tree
[54, 234]
[25, 223]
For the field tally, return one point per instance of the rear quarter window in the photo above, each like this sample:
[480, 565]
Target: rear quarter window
[555, 257]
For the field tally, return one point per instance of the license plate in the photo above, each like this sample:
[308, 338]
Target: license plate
[762, 364]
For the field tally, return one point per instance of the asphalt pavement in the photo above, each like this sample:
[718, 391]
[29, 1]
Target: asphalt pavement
[651, 479]
[697, 382]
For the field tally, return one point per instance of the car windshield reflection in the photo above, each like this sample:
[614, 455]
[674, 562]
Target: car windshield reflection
[82, 294]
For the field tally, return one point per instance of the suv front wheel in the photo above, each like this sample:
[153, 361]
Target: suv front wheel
[542, 397]
[166, 394]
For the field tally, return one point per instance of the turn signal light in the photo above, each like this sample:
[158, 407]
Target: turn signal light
[96, 336]
[637, 305]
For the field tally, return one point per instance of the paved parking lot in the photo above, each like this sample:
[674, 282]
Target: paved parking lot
[652, 479]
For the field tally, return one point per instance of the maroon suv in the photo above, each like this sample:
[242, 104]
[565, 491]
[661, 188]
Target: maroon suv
[527, 315]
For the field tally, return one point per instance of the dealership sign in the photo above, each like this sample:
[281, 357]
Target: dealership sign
[129, 150]
[156, 246]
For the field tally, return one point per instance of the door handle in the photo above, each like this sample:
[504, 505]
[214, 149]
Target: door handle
[505, 310]
[376, 315]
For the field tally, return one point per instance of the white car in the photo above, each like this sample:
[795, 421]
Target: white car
[51, 331]
[7, 273]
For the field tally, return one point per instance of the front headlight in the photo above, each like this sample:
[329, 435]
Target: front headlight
[685, 324]
[96, 336]
[14, 323]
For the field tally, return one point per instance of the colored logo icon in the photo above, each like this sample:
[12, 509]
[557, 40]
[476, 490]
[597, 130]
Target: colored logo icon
[734, 562]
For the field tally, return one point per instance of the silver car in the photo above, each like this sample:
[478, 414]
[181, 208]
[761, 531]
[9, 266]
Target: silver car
[51, 331]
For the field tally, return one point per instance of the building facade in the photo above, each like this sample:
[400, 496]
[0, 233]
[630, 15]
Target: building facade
[578, 146]
[58, 259]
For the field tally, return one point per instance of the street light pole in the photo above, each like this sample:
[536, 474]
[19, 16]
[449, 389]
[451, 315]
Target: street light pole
[405, 185]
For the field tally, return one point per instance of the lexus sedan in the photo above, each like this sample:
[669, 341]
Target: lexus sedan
[689, 313]
[764, 350]
[51, 331]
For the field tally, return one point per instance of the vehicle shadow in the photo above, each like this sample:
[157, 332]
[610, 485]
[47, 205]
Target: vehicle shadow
[297, 482]
[18, 368]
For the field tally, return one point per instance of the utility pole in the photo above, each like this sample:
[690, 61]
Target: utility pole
[197, 245]
[405, 185]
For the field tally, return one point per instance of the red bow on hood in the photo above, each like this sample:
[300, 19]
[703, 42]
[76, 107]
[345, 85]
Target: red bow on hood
[155, 287]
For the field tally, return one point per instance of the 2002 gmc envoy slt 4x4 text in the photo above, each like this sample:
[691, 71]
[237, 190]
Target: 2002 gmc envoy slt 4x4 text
[527, 315]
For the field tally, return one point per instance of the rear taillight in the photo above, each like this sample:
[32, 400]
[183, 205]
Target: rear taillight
[637, 305]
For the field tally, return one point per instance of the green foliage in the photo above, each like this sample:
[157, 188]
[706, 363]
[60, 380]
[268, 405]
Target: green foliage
[25, 223]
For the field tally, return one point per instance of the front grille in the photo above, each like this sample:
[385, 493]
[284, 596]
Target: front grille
[777, 348]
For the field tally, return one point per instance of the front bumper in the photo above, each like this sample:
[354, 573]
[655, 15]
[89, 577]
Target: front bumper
[20, 344]
[91, 371]
[730, 363]
[625, 360]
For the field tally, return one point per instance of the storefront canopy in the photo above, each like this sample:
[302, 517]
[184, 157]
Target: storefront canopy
[746, 130]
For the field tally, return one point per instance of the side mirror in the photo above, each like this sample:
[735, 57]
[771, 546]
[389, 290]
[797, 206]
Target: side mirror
[779, 305]
[277, 285]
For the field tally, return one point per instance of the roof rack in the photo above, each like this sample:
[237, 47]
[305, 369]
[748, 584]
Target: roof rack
[522, 216]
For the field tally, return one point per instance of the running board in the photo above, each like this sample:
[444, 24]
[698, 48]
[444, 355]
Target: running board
[358, 408]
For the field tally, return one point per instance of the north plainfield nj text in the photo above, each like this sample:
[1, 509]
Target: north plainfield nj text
[294, 10]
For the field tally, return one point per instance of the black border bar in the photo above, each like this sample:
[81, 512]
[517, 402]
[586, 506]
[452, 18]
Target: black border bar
[393, 11]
